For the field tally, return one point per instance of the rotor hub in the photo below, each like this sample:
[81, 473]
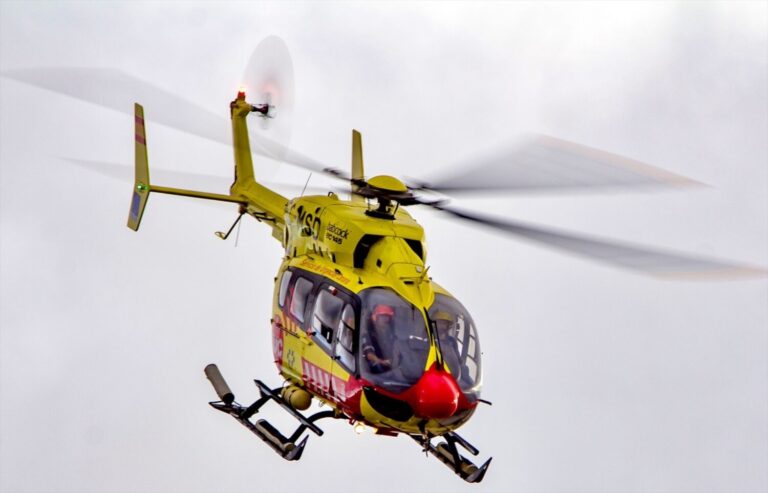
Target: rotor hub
[386, 183]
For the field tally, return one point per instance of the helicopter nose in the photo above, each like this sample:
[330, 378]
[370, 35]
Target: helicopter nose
[436, 394]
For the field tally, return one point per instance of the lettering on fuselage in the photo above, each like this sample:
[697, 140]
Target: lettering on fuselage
[324, 271]
[336, 234]
[310, 221]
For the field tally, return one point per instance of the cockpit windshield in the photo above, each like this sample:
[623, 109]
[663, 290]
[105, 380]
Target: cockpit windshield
[393, 340]
[458, 342]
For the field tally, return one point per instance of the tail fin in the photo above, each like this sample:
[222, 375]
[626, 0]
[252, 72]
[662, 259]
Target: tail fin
[244, 176]
[269, 203]
[357, 163]
[141, 182]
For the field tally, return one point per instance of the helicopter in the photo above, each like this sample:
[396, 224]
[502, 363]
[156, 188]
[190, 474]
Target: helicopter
[357, 321]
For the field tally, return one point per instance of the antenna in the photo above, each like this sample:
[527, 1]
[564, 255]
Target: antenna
[237, 234]
[305, 185]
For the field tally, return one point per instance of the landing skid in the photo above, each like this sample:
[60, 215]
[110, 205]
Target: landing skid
[286, 447]
[448, 453]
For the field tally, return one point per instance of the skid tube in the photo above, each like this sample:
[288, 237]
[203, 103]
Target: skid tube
[286, 447]
[447, 452]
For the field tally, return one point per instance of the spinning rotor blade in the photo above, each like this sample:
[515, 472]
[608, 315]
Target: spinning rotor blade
[653, 262]
[546, 164]
[268, 79]
[117, 90]
[124, 172]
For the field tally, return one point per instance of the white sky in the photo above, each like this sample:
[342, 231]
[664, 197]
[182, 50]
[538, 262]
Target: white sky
[601, 380]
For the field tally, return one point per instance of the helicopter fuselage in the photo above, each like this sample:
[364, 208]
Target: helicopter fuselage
[341, 263]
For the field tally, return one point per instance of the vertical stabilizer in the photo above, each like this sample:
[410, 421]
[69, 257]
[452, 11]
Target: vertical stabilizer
[240, 109]
[357, 163]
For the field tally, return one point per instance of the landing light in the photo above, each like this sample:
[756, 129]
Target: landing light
[359, 427]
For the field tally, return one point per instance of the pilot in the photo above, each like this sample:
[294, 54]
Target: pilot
[449, 346]
[377, 344]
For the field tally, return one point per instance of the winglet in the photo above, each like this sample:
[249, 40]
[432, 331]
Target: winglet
[141, 182]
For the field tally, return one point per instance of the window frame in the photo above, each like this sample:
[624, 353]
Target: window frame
[353, 369]
[348, 297]
[311, 328]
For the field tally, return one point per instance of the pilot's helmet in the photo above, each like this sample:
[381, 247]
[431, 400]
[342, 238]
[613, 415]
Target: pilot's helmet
[382, 310]
[444, 322]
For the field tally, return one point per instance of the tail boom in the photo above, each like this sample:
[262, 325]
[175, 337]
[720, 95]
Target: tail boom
[142, 186]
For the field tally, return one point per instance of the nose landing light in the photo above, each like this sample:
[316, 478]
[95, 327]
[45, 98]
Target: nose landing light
[436, 394]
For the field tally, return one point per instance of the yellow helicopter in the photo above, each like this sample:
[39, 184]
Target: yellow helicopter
[357, 322]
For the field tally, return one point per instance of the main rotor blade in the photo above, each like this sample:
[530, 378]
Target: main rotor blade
[541, 164]
[653, 262]
[202, 181]
[118, 90]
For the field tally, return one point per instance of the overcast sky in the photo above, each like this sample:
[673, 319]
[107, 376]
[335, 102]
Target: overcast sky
[601, 379]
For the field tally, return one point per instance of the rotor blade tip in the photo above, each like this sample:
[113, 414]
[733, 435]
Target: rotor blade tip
[724, 274]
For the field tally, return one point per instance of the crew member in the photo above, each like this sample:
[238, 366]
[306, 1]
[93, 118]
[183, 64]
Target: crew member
[449, 346]
[377, 343]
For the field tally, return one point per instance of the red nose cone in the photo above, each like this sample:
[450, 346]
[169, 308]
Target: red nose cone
[436, 395]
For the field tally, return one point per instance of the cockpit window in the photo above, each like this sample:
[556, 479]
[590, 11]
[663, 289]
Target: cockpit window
[393, 340]
[458, 342]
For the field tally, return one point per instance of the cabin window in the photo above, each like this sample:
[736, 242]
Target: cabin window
[458, 341]
[326, 315]
[286, 280]
[345, 341]
[301, 291]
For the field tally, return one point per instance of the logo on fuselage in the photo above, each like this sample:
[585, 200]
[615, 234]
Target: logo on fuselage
[310, 221]
[336, 234]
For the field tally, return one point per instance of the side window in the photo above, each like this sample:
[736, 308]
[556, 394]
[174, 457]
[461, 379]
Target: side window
[301, 291]
[346, 338]
[284, 288]
[326, 316]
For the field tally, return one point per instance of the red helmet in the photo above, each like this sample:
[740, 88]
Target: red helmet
[382, 310]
